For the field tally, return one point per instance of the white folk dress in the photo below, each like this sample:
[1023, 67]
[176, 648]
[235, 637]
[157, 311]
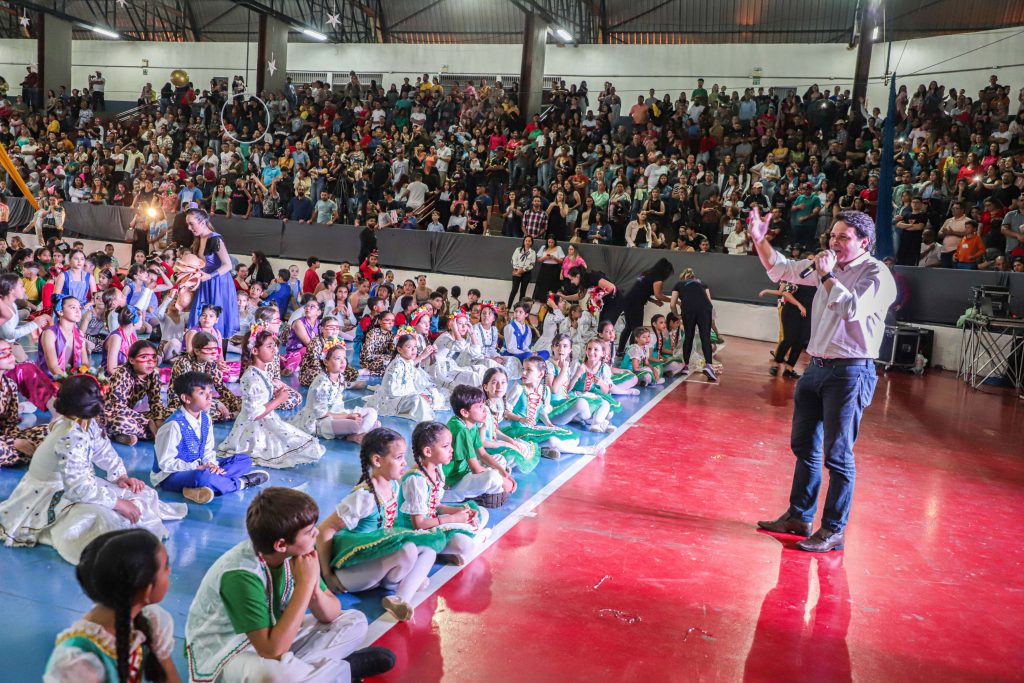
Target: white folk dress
[61, 502]
[324, 397]
[446, 371]
[484, 351]
[406, 391]
[270, 441]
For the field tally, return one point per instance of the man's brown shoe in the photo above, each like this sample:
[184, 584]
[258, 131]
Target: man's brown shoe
[822, 541]
[787, 524]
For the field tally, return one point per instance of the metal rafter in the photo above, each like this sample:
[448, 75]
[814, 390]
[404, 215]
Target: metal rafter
[575, 16]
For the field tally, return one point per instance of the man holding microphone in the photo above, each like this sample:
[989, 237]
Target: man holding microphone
[847, 325]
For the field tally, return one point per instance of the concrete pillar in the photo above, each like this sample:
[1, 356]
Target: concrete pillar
[868, 22]
[53, 55]
[272, 49]
[531, 75]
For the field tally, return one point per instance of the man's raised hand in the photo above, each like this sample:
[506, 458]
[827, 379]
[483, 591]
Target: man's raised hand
[757, 227]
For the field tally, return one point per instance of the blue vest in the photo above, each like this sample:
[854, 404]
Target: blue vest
[192, 445]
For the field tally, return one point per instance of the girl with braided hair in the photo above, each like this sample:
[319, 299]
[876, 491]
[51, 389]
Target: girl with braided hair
[259, 430]
[422, 490]
[324, 414]
[359, 546]
[115, 348]
[126, 636]
[568, 404]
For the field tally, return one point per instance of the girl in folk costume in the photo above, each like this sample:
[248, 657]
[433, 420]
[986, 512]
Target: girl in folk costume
[521, 454]
[207, 322]
[379, 345]
[130, 383]
[518, 334]
[420, 329]
[269, 318]
[300, 334]
[594, 377]
[623, 381]
[258, 430]
[666, 345]
[590, 315]
[63, 348]
[205, 357]
[60, 501]
[115, 349]
[586, 408]
[406, 390]
[325, 414]
[552, 325]
[451, 344]
[342, 311]
[360, 548]
[126, 635]
[637, 358]
[485, 339]
[16, 445]
[422, 490]
[311, 366]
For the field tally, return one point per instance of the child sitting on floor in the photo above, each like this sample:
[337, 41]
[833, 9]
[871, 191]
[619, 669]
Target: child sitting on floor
[423, 489]
[185, 457]
[126, 635]
[300, 333]
[568, 405]
[248, 620]
[16, 445]
[623, 381]
[325, 414]
[360, 548]
[473, 472]
[259, 430]
[205, 357]
[637, 358]
[130, 383]
[61, 501]
[517, 334]
[406, 390]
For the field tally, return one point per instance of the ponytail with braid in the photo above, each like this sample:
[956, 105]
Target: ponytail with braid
[376, 442]
[114, 569]
[425, 435]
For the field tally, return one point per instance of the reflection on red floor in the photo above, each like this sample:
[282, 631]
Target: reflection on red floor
[646, 566]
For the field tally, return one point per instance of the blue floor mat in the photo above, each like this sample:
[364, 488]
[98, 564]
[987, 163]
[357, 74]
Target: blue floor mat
[39, 592]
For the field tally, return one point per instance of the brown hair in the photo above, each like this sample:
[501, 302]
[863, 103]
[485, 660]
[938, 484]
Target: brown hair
[278, 513]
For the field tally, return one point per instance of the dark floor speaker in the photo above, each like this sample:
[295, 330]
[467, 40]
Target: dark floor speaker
[902, 343]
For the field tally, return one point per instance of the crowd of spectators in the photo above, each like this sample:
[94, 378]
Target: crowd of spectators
[677, 173]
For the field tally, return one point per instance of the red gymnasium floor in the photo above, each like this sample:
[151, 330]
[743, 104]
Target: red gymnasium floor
[646, 565]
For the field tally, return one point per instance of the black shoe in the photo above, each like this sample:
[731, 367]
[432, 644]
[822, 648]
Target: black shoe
[370, 661]
[773, 371]
[793, 374]
[254, 478]
[787, 524]
[822, 541]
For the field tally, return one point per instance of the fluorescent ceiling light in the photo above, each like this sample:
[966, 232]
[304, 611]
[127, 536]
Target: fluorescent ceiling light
[104, 32]
[564, 35]
[874, 33]
[313, 34]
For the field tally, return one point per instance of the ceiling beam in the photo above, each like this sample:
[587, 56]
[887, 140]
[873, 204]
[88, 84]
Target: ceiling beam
[70, 18]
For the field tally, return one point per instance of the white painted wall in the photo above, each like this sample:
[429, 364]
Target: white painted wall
[633, 68]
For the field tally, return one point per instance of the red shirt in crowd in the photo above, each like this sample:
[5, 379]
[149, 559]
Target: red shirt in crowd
[310, 281]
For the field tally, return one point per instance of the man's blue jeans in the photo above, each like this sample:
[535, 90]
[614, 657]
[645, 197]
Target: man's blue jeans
[827, 408]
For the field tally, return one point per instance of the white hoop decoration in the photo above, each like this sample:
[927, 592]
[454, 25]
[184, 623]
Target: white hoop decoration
[231, 135]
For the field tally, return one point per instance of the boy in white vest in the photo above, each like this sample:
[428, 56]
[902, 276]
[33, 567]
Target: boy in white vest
[249, 621]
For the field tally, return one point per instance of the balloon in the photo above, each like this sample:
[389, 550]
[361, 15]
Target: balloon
[179, 77]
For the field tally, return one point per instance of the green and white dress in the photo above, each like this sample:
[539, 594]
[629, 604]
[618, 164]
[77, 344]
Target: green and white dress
[563, 399]
[524, 458]
[642, 354]
[370, 530]
[588, 384]
[531, 406]
[418, 495]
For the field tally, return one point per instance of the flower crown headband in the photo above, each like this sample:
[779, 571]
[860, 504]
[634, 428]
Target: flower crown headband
[330, 344]
[95, 374]
[493, 305]
[420, 312]
[254, 329]
[405, 329]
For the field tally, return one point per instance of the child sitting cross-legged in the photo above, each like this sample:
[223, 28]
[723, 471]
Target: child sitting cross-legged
[324, 414]
[185, 457]
[248, 620]
[473, 472]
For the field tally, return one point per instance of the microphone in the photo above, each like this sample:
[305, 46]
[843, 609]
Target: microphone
[810, 269]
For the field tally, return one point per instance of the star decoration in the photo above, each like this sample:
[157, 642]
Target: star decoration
[272, 64]
[24, 21]
[333, 20]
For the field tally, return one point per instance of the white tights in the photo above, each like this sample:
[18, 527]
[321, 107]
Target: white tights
[627, 387]
[578, 410]
[403, 572]
[344, 427]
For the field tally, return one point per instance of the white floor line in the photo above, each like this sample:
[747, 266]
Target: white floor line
[386, 622]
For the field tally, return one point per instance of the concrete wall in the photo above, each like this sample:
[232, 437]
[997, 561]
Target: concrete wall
[633, 68]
